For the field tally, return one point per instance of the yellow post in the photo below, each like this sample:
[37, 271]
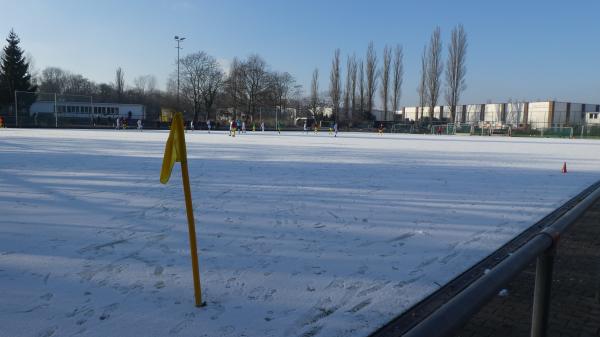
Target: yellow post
[192, 232]
[190, 214]
[175, 151]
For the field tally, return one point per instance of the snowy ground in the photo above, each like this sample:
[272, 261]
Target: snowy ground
[299, 235]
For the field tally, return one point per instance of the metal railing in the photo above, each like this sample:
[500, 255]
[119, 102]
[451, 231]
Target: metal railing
[458, 310]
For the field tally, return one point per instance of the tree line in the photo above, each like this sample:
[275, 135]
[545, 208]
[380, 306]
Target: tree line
[250, 87]
[355, 101]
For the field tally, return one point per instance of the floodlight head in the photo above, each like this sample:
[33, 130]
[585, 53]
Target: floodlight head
[181, 39]
[176, 37]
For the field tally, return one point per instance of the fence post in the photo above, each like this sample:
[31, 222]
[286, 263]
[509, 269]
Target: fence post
[16, 111]
[541, 294]
[55, 113]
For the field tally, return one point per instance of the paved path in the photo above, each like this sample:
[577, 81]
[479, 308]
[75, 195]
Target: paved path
[575, 310]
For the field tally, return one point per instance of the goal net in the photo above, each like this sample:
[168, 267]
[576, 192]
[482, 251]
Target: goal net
[443, 129]
[326, 124]
[402, 128]
[561, 132]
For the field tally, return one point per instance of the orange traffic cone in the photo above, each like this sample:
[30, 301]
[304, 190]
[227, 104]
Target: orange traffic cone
[564, 168]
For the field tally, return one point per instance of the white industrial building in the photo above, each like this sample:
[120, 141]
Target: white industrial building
[545, 113]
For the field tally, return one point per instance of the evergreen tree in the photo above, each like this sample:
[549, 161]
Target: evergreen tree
[14, 71]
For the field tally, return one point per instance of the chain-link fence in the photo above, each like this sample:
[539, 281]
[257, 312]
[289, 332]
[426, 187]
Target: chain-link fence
[51, 110]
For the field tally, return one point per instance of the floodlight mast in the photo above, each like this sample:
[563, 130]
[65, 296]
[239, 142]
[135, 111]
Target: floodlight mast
[179, 39]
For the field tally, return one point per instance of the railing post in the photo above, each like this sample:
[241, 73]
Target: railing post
[541, 295]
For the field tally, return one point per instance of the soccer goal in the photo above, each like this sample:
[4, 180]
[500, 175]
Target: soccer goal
[326, 124]
[560, 131]
[443, 129]
[463, 128]
[402, 128]
[590, 131]
[501, 131]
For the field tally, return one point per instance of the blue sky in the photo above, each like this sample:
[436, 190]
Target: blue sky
[517, 49]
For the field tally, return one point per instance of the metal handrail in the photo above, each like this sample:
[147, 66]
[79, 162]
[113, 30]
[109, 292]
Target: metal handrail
[456, 312]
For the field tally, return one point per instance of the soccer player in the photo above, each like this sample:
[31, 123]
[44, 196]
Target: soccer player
[139, 125]
[208, 125]
[305, 128]
[262, 126]
[244, 127]
[118, 123]
[233, 128]
[335, 128]
[380, 129]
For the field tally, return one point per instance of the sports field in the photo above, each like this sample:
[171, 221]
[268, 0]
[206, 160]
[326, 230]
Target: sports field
[298, 234]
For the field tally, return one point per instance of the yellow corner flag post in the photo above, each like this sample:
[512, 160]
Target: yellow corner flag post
[175, 151]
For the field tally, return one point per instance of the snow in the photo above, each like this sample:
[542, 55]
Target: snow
[298, 235]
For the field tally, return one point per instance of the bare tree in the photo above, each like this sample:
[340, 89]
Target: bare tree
[372, 75]
[434, 69]
[314, 92]
[385, 80]
[353, 70]
[422, 88]
[210, 86]
[397, 77]
[456, 68]
[256, 82]
[283, 85]
[335, 86]
[145, 84]
[234, 85]
[76, 84]
[361, 87]
[53, 80]
[119, 83]
[350, 87]
[201, 78]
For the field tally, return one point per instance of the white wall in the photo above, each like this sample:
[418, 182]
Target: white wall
[539, 112]
[592, 118]
[493, 113]
[410, 112]
[473, 113]
[515, 113]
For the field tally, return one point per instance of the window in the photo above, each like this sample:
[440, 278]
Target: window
[591, 115]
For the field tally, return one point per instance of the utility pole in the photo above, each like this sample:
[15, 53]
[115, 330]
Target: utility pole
[179, 39]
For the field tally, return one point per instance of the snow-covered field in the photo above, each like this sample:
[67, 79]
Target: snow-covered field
[299, 235]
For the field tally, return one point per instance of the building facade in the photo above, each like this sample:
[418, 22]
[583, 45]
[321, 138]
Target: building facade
[534, 114]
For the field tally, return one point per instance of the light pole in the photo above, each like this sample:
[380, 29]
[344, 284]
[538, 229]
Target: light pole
[179, 39]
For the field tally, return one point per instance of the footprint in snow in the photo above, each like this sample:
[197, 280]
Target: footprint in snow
[48, 332]
[108, 310]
